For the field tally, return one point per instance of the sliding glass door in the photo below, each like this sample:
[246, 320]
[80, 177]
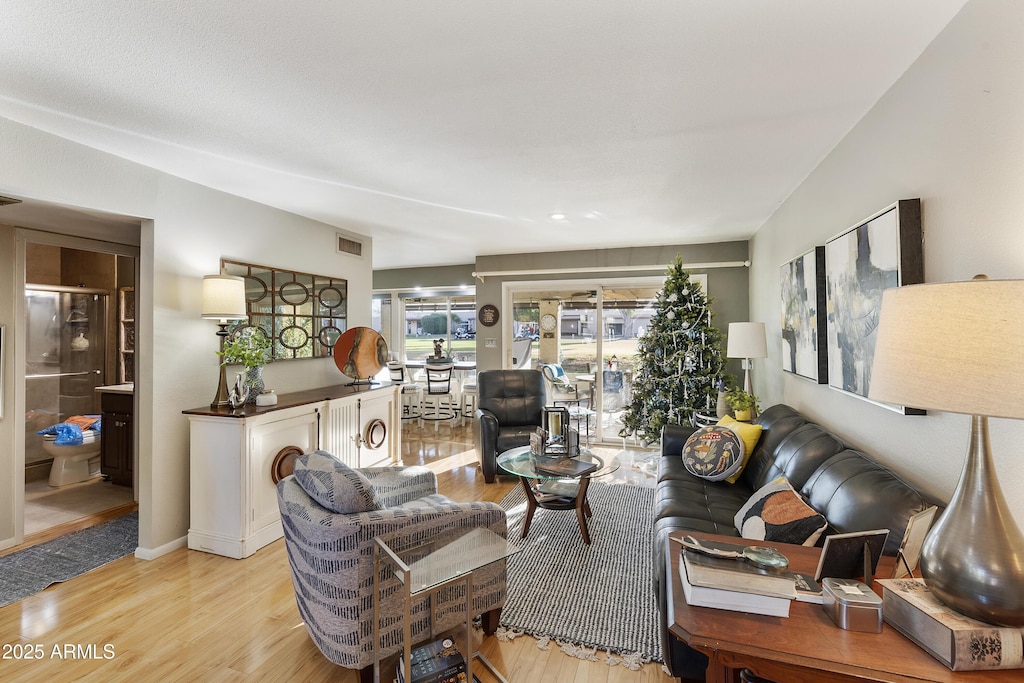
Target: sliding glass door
[596, 334]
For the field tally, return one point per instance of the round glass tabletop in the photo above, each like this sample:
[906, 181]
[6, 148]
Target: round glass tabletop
[520, 462]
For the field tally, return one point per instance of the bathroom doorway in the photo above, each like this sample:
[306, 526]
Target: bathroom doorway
[79, 344]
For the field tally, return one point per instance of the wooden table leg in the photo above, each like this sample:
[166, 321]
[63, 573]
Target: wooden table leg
[583, 509]
[531, 505]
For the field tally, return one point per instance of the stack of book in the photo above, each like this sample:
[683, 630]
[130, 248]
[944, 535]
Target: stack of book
[959, 642]
[436, 662]
[735, 584]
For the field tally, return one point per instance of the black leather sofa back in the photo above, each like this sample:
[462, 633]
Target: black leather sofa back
[855, 493]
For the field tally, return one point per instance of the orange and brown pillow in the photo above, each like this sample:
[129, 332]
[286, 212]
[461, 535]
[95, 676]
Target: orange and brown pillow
[775, 512]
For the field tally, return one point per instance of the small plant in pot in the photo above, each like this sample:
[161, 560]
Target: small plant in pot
[741, 402]
[248, 347]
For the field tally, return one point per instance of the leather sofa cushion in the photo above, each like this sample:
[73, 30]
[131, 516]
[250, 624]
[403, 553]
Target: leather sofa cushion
[804, 450]
[514, 397]
[512, 436]
[856, 493]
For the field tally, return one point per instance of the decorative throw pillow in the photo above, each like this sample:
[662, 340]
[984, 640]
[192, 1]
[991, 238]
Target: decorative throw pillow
[776, 512]
[335, 485]
[713, 453]
[749, 433]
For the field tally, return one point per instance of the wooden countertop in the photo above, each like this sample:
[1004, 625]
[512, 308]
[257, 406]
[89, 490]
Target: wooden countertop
[291, 400]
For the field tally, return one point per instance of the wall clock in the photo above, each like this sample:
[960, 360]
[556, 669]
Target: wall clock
[548, 322]
[488, 315]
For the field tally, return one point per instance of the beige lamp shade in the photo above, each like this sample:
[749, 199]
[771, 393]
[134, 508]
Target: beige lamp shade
[954, 346]
[747, 340]
[224, 297]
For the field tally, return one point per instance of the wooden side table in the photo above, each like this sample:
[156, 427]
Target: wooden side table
[807, 646]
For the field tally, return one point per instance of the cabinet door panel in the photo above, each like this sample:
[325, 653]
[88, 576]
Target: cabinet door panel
[379, 406]
[341, 429]
[266, 441]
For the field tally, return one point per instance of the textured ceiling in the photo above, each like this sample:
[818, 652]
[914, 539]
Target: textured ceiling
[452, 128]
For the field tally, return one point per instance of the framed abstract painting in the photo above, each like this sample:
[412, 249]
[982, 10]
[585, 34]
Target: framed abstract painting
[879, 253]
[804, 349]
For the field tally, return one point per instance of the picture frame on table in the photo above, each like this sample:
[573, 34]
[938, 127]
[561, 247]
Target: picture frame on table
[909, 554]
[804, 340]
[852, 555]
[878, 253]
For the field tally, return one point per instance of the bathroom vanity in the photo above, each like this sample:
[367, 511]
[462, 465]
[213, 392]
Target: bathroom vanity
[237, 457]
[117, 446]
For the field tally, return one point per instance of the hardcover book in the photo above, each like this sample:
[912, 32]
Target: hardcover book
[735, 601]
[807, 589]
[436, 662]
[738, 575]
[564, 466]
[959, 642]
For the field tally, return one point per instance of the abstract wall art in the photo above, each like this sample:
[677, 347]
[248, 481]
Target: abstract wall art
[804, 349]
[879, 253]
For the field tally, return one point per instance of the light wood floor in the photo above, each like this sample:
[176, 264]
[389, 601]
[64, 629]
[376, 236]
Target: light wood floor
[192, 616]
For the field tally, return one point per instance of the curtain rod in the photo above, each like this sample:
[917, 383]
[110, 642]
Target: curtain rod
[606, 269]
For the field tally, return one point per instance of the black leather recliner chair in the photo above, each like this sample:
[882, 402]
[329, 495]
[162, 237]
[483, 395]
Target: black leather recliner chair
[510, 404]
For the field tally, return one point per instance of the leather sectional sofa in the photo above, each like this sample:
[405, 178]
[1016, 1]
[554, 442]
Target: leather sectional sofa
[853, 492]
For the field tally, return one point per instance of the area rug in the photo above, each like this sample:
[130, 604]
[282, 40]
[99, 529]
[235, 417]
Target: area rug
[26, 572]
[596, 602]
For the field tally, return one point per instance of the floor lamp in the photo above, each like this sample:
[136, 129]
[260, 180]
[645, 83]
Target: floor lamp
[746, 341]
[224, 301]
[956, 347]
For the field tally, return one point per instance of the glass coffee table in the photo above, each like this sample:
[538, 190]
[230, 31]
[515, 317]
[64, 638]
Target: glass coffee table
[554, 492]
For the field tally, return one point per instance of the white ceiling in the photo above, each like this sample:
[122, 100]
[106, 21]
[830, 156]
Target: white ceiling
[452, 128]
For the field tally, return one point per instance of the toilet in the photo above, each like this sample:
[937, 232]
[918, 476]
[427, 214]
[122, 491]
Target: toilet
[72, 464]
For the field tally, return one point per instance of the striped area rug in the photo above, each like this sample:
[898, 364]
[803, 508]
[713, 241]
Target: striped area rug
[598, 597]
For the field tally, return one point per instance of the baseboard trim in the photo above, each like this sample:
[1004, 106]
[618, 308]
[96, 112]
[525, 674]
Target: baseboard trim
[153, 553]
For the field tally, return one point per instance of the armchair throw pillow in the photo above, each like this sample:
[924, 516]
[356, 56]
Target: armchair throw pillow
[776, 512]
[713, 453]
[750, 434]
[335, 485]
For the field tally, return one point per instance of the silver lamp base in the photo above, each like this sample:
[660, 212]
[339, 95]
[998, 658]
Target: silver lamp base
[973, 558]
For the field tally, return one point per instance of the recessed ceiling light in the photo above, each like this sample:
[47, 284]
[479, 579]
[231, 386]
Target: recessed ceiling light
[557, 216]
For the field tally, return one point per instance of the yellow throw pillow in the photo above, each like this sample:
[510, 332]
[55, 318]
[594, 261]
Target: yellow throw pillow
[749, 434]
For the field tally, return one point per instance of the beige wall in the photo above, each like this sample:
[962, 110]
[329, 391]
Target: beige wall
[950, 131]
[186, 230]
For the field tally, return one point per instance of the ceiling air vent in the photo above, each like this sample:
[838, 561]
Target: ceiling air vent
[349, 246]
[4, 201]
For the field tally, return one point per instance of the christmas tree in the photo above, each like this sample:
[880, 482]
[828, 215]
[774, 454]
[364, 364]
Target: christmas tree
[679, 360]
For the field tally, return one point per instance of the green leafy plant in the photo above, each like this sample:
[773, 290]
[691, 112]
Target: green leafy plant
[250, 347]
[740, 400]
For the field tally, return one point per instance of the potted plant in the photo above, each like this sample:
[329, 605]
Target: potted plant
[741, 402]
[250, 348]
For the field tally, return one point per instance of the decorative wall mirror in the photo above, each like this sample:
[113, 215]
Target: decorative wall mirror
[304, 314]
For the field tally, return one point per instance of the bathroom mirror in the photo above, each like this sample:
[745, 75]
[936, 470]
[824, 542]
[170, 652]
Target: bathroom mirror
[304, 314]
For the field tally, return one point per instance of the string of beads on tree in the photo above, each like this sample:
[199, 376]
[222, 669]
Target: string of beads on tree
[679, 360]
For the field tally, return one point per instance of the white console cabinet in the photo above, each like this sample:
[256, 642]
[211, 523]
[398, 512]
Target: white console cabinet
[233, 497]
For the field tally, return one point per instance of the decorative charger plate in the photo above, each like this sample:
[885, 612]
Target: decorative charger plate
[284, 462]
[360, 353]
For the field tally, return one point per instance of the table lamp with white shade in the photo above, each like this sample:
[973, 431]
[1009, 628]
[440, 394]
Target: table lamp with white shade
[746, 341]
[224, 301]
[956, 347]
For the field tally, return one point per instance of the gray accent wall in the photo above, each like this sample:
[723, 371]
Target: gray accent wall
[728, 287]
[950, 131]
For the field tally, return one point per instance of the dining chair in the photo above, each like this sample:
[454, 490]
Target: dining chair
[439, 399]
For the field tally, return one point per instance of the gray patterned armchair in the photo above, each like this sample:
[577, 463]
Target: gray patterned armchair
[331, 514]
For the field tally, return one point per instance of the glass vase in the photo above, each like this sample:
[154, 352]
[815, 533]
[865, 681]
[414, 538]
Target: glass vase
[254, 381]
